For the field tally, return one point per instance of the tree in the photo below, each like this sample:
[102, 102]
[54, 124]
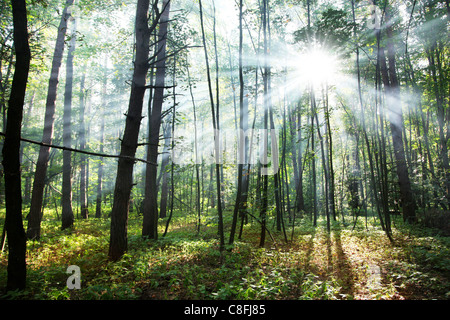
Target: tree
[150, 223]
[35, 215]
[265, 178]
[83, 159]
[11, 162]
[124, 178]
[241, 143]
[216, 129]
[98, 202]
[392, 90]
[67, 212]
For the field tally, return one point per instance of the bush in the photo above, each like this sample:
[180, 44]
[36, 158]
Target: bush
[438, 219]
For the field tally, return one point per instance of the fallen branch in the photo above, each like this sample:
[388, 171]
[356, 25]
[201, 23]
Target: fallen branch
[83, 151]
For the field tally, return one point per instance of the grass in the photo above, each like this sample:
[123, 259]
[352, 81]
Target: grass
[340, 265]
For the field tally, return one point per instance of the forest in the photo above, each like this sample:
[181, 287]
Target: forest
[225, 149]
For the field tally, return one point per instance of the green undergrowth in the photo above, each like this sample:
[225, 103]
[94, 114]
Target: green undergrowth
[185, 264]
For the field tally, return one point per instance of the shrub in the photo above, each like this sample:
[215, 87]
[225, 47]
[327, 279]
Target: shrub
[438, 219]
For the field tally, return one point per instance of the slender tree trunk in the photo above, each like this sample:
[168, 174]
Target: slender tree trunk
[165, 183]
[211, 196]
[83, 159]
[364, 131]
[13, 197]
[67, 212]
[165, 178]
[98, 204]
[196, 155]
[299, 190]
[150, 222]
[124, 180]
[265, 181]
[217, 106]
[435, 67]
[325, 172]
[392, 91]
[329, 144]
[172, 165]
[313, 159]
[241, 136]
[34, 217]
[216, 136]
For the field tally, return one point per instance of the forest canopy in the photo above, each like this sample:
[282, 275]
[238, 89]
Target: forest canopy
[247, 120]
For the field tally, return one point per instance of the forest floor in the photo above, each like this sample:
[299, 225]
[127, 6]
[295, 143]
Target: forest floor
[344, 264]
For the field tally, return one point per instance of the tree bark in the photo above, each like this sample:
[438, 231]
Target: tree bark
[329, 147]
[434, 66]
[216, 136]
[300, 201]
[165, 178]
[83, 159]
[265, 181]
[34, 217]
[98, 204]
[124, 179]
[67, 212]
[392, 91]
[197, 158]
[150, 221]
[11, 162]
[241, 136]
[313, 159]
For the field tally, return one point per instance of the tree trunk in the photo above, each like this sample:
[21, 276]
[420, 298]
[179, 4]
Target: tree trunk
[216, 136]
[241, 136]
[11, 163]
[434, 66]
[313, 159]
[150, 222]
[329, 144]
[299, 186]
[165, 182]
[364, 131]
[172, 165]
[67, 212]
[325, 171]
[124, 180]
[198, 161]
[34, 217]
[392, 91]
[98, 205]
[264, 198]
[83, 159]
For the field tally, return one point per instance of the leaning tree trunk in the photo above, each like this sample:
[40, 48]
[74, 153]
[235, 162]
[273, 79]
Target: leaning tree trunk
[124, 179]
[11, 162]
[37, 196]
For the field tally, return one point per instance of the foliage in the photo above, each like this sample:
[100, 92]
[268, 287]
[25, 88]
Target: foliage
[186, 265]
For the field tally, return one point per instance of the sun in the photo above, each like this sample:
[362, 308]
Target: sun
[316, 67]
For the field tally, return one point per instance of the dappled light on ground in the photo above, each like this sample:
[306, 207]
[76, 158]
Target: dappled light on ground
[341, 265]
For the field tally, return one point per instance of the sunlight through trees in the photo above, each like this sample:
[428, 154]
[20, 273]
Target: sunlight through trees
[248, 119]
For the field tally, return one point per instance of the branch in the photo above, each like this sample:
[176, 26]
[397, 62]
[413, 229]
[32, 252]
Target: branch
[158, 87]
[42, 144]
[152, 60]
